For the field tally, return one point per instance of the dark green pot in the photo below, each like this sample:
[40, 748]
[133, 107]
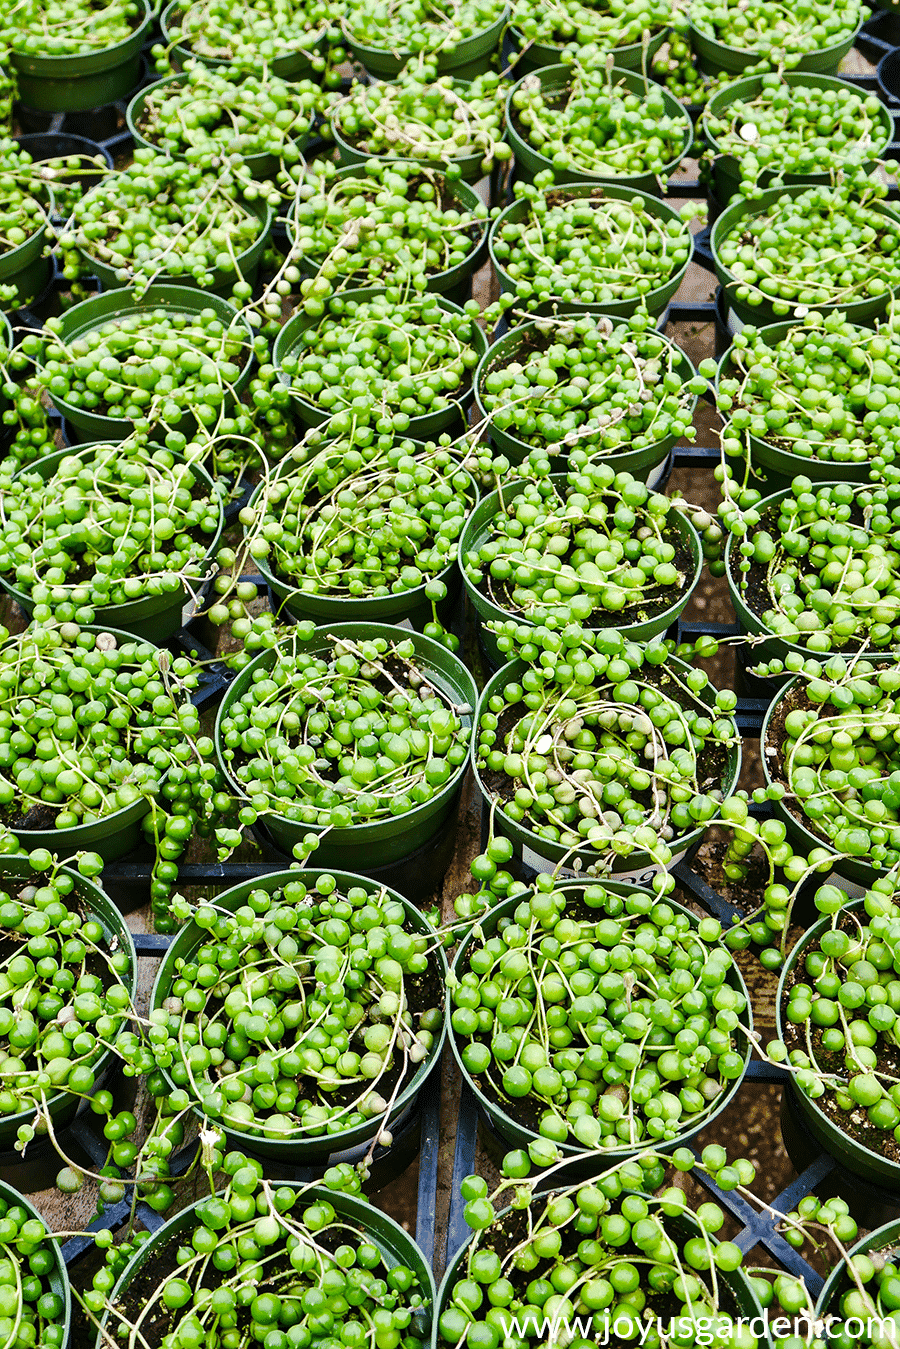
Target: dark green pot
[303, 1150]
[538, 55]
[544, 855]
[507, 348]
[261, 166]
[410, 607]
[774, 647]
[364, 846]
[58, 1277]
[135, 110]
[837, 1283]
[295, 65]
[118, 304]
[112, 836]
[502, 1117]
[555, 82]
[395, 1245]
[682, 1226]
[25, 266]
[408, 610]
[452, 283]
[79, 83]
[726, 168]
[716, 58]
[56, 145]
[479, 529]
[247, 262]
[420, 428]
[859, 311]
[655, 300]
[854, 869]
[846, 1151]
[470, 57]
[155, 618]
[62, 1107]
[469, 165]
[776, 468]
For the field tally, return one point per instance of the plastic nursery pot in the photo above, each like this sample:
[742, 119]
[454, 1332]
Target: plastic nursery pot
[26, 267]
[62, 1106]
[288, 342]
[837, 1282]
[395, 1245]
[517, 1134]
[777, 467]
[854, 869]
[539, 55]
[478, 529]
[717, 58]
[469, 165]
[775, 647]
[58, 1276]
[726, 168]
[363, 847]
[155, 618]
[43, 145]
[247, 262]
[848, 1152]
[261, 166]
[470, 57]
[134, 113]
[529, 335]
[119, 304]
[654, 300]
[411, 608]
[113, 835]
[555, 82]
[79, 83]
[536, 853]
[858, 311]
[451, 284]
[292, 65]
[302, 1149]
[683, 1225]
